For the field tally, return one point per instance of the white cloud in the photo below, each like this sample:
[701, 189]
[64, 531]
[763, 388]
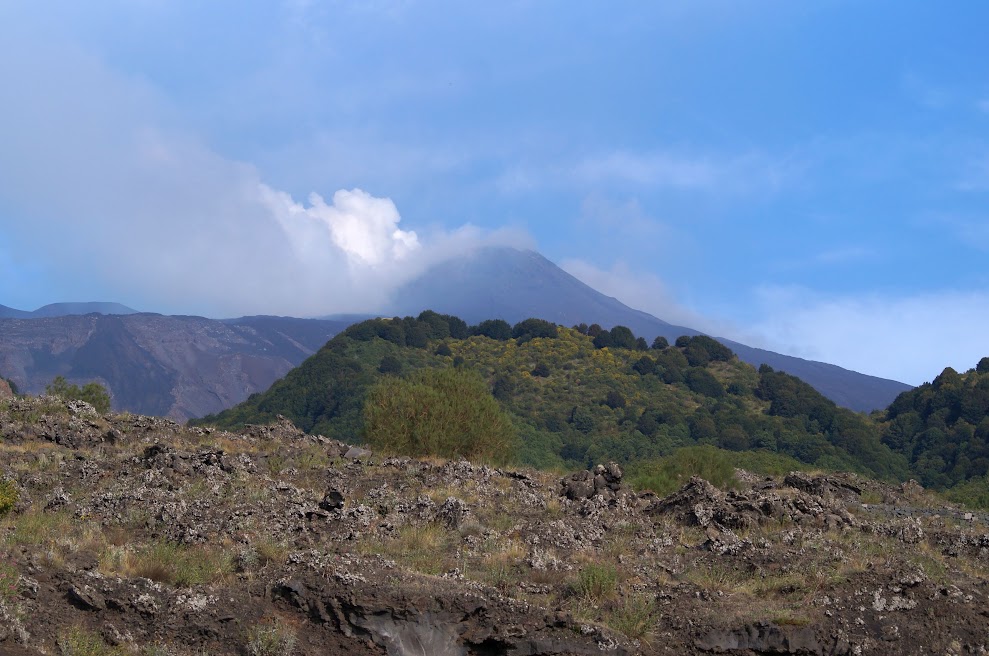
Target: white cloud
[363, 227]
[907, 338]
[99, 179]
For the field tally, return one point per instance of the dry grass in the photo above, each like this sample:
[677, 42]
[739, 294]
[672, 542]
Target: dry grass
[79, 641]
[424, 548]
[635, 616]
[170, 563]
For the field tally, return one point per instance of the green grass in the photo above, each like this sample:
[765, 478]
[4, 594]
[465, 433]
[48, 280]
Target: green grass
[596, 582]
[77, 641]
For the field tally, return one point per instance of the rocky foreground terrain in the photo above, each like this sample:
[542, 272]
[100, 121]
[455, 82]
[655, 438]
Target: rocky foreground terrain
[125, 534]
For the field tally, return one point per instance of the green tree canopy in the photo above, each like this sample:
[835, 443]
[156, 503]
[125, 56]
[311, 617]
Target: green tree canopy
[494, 329]
[533, 328]
[92, 393]
[438, 412]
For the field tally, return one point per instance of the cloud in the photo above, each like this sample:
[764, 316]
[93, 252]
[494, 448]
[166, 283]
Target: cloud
[908, 338]
[101, 181]
[364, 228]
[743, 173]
[627, 218]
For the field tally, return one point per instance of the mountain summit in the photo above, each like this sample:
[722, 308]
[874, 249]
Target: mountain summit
[512, 284]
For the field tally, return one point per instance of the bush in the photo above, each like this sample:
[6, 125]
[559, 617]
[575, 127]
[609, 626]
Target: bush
[8, 496]
[274, 639]
[390, 365]
[92, 393]
[438, 412]
[533, 328]
[541, 370]
[615, 400]
[596, 582]
[494, 329]
[666, 475]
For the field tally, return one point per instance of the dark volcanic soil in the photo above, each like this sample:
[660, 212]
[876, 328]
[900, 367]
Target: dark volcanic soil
[133, 535]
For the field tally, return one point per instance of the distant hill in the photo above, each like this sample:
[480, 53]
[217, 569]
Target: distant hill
[179, 367]
[574, 403]
[513, 285]
[942, 427]
[65, 309]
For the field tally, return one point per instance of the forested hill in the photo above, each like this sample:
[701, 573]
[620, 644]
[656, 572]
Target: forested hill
[578, 396]
[942, 427]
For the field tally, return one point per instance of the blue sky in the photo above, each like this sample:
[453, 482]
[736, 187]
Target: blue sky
[811, 177]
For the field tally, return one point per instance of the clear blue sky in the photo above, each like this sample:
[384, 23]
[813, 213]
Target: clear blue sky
[811, 177]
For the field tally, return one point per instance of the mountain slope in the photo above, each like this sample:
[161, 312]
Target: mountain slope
[159, 365]
[513, 285]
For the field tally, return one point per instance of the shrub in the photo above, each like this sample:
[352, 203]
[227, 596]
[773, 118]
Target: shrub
[666, 475]
[635, 616]
[541, 370]
[390, 365]
[438, 412]
[494, 329]
[274, 639]
[533, 328]
[92, 393]
[614, 400]
[8, 496]
[78, 641]
[596, 582]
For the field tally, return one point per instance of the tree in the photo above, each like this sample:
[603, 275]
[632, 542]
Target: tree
[682, 341]
[390, 365]
[701, 381]
[644, 366]
[983, 366]
[92, 393]
[641, 344]
[660, 343]
[615, 400]
[498, 329]
[533, 328]
[541, 370]
[603, 340]
[443, 350]
[438, 412]
[622, 337]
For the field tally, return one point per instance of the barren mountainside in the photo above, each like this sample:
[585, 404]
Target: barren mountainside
[173, 366]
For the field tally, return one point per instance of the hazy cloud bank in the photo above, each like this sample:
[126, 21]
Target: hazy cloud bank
[909, 338]
[100, 180]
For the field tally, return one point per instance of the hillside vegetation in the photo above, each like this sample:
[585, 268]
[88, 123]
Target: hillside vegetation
[942, 428]
[578, 396]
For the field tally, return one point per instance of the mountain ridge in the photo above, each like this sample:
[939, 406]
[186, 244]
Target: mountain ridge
[66, 309]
